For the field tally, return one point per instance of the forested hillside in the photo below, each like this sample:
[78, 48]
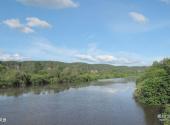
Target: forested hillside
[35, 73]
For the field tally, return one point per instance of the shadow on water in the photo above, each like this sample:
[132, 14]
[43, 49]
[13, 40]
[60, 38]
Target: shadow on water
[151, 113]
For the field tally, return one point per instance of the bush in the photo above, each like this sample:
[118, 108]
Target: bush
[153, 87]
[167, 113]
[21, 80]
[39, 80]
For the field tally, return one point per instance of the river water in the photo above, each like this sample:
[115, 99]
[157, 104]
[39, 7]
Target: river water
[106, 102]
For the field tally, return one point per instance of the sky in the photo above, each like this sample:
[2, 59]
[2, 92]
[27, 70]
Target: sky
[116, 32]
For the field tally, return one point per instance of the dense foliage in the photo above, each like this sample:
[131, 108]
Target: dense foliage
[153, 87]
[167, 115]
[36, 73]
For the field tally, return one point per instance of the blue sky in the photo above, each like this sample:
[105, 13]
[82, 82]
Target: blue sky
[117, 32]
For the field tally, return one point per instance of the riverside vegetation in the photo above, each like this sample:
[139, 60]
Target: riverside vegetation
[153, 87]
[59, 74]
[153, 83]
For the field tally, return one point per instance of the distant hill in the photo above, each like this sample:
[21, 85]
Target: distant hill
[45, 65]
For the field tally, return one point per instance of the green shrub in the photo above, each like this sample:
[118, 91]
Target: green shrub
[39, 80]
[153, 87]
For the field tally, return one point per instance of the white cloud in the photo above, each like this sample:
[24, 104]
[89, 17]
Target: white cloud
[28, 27]
[138, 17]
[86, 58]
[95, 55]
[36, 22]
[50, 4]
[12, 57]
[165, 1]
[109, 59]
[90, 55]
[15, 23]
[106, 58]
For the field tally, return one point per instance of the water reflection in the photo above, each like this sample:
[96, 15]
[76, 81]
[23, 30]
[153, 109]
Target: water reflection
[102, 103]
[55, 89]
[15, 92]
[19, 92]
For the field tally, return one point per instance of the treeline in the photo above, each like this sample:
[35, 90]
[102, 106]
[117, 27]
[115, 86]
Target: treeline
[37, 73]
[153, 87]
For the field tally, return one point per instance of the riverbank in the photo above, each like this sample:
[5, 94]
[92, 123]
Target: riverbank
[39, 73]
[153, 87]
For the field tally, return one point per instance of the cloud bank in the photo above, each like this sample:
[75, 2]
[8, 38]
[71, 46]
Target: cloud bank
[109, 59]
[91, 55]
[45, 50]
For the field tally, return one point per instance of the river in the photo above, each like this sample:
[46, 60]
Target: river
[106, 102]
